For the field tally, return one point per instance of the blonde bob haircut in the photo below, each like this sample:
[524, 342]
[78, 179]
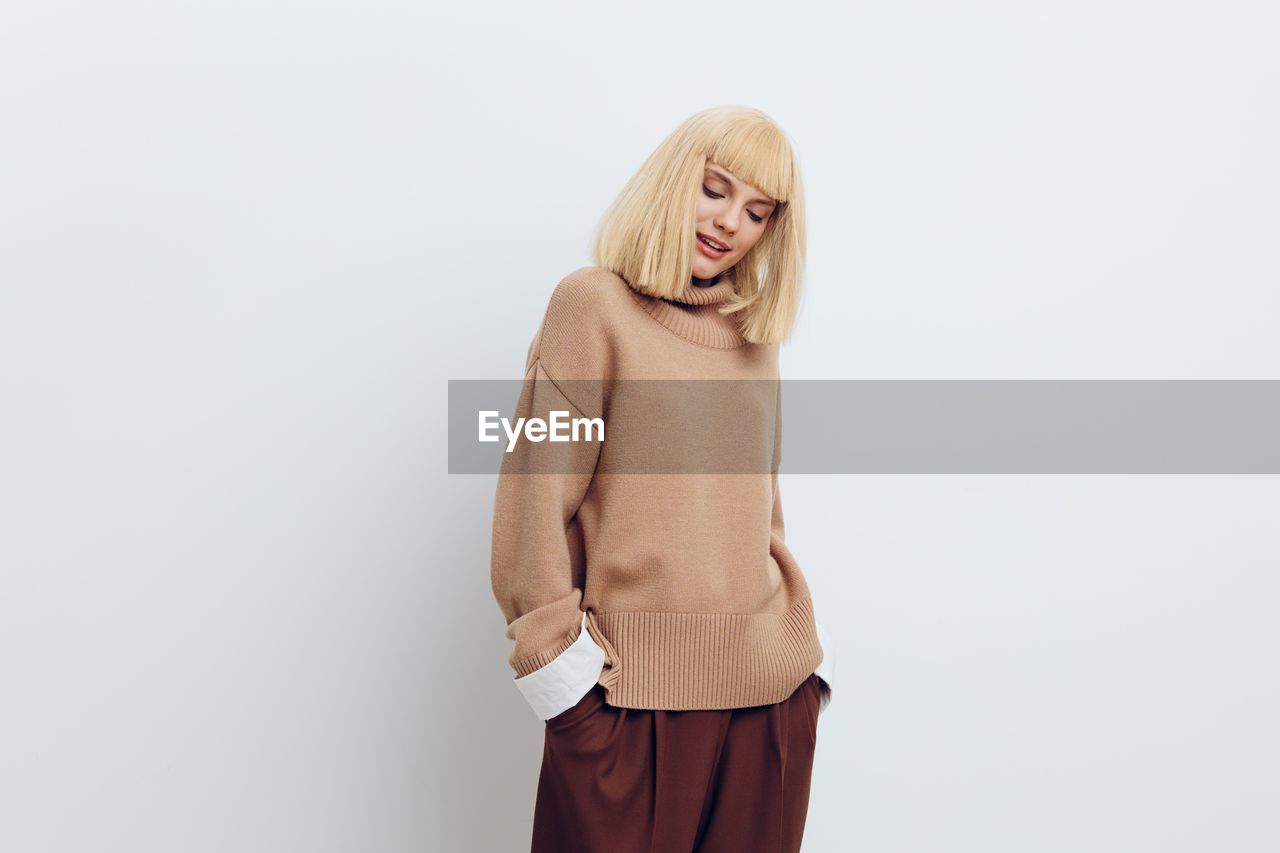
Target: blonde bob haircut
[646, 236]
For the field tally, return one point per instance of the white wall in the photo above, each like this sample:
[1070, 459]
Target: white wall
[243, 247]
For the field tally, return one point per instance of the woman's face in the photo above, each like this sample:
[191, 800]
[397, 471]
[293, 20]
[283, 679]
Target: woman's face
[733, 214]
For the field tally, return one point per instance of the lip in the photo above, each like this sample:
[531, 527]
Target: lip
[718, 242]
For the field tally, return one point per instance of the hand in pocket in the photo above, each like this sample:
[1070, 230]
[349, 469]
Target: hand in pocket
[588, 704]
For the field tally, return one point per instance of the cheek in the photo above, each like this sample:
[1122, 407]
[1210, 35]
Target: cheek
[751, 239]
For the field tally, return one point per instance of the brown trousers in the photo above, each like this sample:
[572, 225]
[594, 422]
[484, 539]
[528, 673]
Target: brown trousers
[622, 780]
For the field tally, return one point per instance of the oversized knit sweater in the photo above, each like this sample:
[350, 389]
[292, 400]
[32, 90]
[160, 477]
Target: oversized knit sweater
[673, 591]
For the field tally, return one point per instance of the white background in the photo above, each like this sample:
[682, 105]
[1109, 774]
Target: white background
[243, 607]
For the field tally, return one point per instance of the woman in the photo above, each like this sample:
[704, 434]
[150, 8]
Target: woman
[662, 628]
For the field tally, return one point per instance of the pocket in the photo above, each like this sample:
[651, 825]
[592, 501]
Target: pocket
[821, 692]
[585, 706]
[805, 704]
[809, 690]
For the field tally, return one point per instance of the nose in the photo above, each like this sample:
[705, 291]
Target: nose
[728, 220]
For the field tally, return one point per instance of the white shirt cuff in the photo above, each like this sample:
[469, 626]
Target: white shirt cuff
[561, 684]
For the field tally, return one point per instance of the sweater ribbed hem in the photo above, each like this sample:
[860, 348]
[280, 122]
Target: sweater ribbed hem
[699, 661]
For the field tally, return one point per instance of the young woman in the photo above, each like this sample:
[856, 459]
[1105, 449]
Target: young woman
[662, 628]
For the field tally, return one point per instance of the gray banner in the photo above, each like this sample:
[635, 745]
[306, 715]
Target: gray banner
[882, 426]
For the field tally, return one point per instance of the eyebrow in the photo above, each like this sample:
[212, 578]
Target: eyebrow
[722, 176]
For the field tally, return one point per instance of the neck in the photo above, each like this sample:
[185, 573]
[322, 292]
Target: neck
[704, 282]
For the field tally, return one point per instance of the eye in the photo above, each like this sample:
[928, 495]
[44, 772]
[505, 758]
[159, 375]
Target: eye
[710, 194]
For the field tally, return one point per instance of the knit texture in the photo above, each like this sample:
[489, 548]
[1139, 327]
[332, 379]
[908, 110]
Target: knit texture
[685, 578]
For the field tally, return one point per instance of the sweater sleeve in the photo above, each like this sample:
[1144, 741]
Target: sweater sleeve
[537, 570]
[826, 669]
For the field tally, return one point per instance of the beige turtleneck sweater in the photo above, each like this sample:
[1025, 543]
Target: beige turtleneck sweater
[689, 597]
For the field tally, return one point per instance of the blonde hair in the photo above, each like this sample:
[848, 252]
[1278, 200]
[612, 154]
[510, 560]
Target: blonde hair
[646, 236]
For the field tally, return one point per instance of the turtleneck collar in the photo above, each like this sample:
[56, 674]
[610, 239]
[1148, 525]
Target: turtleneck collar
[706, 294]
[694, 314]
